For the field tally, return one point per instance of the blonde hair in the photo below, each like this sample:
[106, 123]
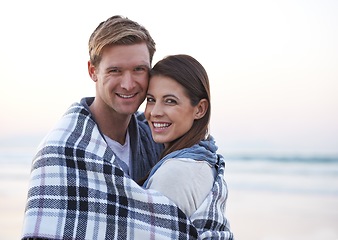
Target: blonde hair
[118, 30]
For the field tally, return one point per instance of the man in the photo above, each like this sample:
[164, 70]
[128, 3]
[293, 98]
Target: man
[121, 53]
[81, 184]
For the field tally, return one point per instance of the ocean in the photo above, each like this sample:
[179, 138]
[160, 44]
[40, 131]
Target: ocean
[307, 174]
[288, 173]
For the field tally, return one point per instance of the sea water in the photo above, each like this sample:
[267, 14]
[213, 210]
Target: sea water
[301, 173]
[308, 174]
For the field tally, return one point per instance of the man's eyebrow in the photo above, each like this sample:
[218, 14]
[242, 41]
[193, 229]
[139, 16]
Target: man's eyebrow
[143, 65]
[112, 67]
[136, 66]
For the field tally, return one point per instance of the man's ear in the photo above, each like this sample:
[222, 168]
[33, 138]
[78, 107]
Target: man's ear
[91, 71]
[201, 108]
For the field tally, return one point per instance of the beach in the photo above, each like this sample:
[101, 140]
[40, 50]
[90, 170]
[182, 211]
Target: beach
[13, 193]
[285, 198]
[267, 200]
[266, 216]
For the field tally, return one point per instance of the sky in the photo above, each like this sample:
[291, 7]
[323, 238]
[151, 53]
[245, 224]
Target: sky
[272, 65]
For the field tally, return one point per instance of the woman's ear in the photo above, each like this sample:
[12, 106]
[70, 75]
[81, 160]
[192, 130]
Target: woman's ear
[91, 71]
[201, 108]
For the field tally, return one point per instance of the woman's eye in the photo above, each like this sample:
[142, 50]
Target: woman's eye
[171, 101]
[149, 99]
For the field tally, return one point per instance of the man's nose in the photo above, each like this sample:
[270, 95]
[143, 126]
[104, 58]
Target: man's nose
[127, 81]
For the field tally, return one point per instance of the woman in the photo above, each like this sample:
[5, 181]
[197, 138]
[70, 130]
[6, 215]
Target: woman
[190, 172]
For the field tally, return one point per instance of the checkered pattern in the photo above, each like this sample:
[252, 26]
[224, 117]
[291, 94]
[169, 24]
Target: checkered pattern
[77, 191]
[209, 219]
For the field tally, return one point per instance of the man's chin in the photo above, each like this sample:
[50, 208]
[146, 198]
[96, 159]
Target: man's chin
[129, 111]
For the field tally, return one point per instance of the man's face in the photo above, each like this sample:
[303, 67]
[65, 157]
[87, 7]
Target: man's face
[122, 78]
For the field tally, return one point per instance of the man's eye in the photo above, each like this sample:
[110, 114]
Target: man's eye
[140, 69]
[114, 70]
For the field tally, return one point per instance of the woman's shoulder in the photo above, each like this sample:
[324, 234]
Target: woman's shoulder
[186, 165]
[185, 181]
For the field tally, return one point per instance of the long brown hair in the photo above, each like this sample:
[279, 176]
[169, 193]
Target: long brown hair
[189, 73]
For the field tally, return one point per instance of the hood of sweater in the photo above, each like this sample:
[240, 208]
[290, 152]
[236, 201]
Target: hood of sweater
[203, 151]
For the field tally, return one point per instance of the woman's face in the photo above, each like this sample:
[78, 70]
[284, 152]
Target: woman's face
[169, 111]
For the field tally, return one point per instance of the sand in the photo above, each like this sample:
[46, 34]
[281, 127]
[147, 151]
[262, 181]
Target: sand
[12, 205]
[253, 215]
[280, 216]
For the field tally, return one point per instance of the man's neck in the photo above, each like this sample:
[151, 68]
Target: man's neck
[111, 124]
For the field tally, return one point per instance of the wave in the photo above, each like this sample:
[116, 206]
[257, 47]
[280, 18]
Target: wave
[283, 158]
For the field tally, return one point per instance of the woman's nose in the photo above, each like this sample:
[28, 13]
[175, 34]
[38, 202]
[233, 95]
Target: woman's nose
[156, 110]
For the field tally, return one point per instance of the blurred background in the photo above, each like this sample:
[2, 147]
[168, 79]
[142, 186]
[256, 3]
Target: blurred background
[273, 68]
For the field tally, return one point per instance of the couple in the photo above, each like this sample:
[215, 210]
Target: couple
[106, 172]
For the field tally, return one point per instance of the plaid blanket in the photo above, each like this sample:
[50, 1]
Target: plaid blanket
[209, 219]
[78, 191]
